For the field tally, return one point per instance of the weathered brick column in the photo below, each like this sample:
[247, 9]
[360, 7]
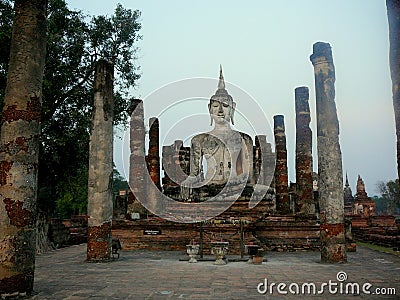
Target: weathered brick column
[257, 163]
[137, 145]
[153, 156]
[393, 12]
[281, 170]
[19, 148]
[100, 202]
[265, 160]
[304, 182]
[330, 184]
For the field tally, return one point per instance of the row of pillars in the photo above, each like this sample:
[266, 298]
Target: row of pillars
[330, 176]
[100, 203]
[329, 156]
[329, 169]
[329, 159]
[304, 182]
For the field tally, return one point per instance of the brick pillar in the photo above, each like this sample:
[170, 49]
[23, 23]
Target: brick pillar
[281, 171]
[166, 166]
[100, 202]
[153, 157]
[257, 160]
[177, 162]
[137, 145]
[393, 12]
[304, 182]
[265, 160]
[330, 184]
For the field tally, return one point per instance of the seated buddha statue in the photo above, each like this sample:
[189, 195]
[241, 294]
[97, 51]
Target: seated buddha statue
[222, 155]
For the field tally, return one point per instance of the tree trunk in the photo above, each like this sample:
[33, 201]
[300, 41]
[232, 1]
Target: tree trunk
[19, 147]
[43, 244]
[393, 11]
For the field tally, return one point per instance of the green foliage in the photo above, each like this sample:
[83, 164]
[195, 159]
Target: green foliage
[119, 182]
[378, 248]
[380, 205]
[390, 195]
[73, 195]
[74, 43]
[6, 18]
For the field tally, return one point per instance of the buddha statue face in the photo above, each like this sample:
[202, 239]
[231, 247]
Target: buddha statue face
[221, 106]
[221, 110]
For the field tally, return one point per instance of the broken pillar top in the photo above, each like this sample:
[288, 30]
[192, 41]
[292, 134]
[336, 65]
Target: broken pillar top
[301, 91]
[178, 144]
[279, 122]
[153, 123]
[322, 52]
[260, 139]
[301, 100]
[153, 119]
[134, 104]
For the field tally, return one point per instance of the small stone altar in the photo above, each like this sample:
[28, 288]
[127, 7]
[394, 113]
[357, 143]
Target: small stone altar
[238, 174]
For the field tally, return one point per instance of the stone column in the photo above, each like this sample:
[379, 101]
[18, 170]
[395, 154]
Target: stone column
[281, 171]
[137, 145]
[330, 184]
[153, 157]
[100, 202]
[19, 148]
[393, 12]
[257, 163]
[265, 160]
[304, 182]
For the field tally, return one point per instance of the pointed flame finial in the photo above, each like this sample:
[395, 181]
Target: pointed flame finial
[347, 181]
[221, 83]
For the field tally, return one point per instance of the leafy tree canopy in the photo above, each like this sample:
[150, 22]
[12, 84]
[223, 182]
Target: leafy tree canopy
[119, 182]
[390, 195]
[6, 18]
[75, 42]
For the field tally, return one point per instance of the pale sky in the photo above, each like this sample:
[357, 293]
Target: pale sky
[264, 48]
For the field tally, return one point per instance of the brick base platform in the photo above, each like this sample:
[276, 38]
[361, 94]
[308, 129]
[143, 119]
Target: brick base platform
[277, 233]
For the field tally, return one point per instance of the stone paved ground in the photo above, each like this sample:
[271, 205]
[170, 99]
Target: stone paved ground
[63, 274]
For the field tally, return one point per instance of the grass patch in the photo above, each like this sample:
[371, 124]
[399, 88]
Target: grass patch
[378, 248]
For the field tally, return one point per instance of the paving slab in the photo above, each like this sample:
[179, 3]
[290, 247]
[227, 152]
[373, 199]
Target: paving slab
[64, 274]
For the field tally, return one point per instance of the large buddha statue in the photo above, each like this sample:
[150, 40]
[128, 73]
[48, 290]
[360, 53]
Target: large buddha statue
[222, 155]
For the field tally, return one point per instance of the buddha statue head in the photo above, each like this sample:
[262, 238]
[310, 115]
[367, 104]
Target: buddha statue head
[221, 106]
